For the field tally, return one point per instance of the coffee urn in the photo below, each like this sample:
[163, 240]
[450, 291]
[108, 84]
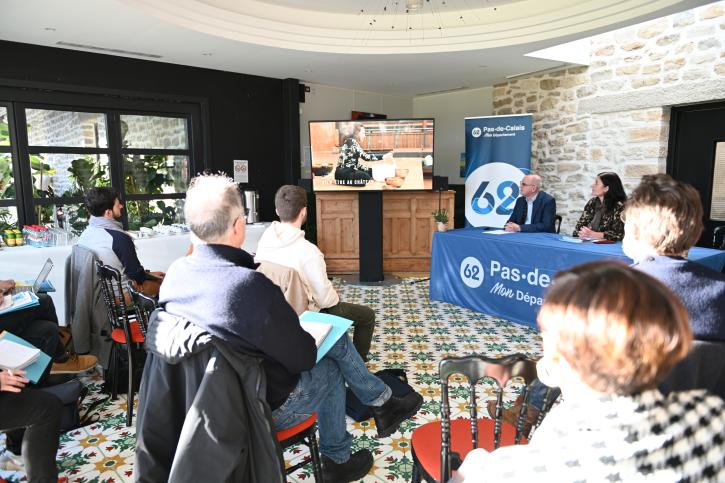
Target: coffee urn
[251, 205]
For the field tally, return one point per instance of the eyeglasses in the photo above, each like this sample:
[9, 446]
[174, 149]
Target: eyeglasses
[526, 184]
[242, 216]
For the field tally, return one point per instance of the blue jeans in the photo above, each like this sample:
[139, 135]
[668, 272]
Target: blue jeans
[322, 390]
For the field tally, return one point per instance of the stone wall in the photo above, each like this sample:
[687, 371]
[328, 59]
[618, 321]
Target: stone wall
[614, 114]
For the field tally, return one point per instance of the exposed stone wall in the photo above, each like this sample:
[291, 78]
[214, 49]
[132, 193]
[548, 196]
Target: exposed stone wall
[614, 114]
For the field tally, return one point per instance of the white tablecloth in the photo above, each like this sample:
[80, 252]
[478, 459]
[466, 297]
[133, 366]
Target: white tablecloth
[156, 254]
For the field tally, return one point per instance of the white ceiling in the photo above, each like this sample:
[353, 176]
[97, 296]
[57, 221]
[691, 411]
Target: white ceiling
[331, 42]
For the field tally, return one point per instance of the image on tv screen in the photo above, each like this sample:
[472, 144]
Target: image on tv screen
[374, 154]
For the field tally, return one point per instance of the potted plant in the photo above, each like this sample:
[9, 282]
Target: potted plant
[441, 217]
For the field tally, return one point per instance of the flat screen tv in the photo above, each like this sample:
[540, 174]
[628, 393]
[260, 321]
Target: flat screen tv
[372, 154]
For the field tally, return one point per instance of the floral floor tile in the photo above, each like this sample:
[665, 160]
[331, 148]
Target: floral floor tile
[413, 333]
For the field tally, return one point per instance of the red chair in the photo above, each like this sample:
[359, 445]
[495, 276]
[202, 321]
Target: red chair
[439, 447]
[129, 321]
[303, 433]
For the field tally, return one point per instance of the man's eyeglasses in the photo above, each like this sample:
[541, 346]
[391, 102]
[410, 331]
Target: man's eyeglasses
[525, 184]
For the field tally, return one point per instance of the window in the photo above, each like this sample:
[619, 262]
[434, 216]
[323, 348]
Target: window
[156, 157]
[8, 197]
[67, 154]
[51, 154]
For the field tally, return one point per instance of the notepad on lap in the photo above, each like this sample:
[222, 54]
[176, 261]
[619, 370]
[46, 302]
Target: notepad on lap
[15, 356]
[338, 327]
[318, 330]
[11, 354]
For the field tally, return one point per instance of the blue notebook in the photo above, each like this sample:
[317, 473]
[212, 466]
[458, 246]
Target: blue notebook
[339, 328]
[36, 369]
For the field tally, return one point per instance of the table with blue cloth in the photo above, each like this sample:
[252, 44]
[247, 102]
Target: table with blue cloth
[506, 275]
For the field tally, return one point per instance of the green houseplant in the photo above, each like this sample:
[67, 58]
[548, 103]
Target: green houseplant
[441, 218]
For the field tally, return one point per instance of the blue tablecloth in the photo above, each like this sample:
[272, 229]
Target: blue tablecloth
[506, 275]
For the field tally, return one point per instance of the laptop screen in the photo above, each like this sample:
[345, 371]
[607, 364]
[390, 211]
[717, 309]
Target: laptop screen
[43, 275]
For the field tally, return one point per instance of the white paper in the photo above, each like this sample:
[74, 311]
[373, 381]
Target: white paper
[15, 356]
[241, 171]
[317, 330]
[497, 232]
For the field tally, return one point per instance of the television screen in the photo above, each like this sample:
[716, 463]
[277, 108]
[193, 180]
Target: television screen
[372, 154]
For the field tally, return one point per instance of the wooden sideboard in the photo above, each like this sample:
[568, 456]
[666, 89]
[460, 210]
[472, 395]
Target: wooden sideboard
[408, 228]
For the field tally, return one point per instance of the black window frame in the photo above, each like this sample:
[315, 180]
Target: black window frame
[18, 96]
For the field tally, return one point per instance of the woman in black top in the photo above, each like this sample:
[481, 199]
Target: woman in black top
[349, 171]
[602, 216]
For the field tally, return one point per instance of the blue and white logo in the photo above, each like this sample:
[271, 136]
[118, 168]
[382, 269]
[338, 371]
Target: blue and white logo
[472, 272]
[476, 132]
[491, 191]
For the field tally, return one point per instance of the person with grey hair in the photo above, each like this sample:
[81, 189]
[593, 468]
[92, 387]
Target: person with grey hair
[217, 289]
[535, 210]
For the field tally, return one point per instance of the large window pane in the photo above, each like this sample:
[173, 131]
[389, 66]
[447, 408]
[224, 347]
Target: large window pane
[66, 128]
[72, 216]
[155, 174]
[151, 132]
[7, 180]
[8, 217]
[4, 131]
[154, 212]
[67, 174]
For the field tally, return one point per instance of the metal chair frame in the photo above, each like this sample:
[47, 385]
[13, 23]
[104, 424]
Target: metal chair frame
[120, 315]
[474, 368]
[557, 223]
[309, 439]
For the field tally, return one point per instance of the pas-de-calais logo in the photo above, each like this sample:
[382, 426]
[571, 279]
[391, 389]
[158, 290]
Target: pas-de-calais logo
[472, 272]
[476, 133]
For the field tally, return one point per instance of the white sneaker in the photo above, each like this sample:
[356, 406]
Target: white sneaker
[9, 461]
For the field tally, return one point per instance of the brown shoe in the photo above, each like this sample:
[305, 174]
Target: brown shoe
[75, 364]
[511, 415]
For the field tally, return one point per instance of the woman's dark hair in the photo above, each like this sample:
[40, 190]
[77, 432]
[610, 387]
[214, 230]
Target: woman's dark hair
[615, 193]
[98, 200]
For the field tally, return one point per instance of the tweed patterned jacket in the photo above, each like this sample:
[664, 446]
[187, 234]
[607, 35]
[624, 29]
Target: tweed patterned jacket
[611, 223]
[646, 437]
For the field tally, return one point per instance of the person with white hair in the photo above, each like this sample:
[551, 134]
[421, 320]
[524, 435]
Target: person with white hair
[217, 289]
[535, 210]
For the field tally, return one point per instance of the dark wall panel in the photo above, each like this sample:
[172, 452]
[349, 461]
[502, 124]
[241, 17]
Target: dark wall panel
[245, 113]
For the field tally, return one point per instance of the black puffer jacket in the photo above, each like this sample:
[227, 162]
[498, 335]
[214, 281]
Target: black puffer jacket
[202, 412]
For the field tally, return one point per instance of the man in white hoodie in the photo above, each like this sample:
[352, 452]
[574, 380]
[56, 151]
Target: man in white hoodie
[284, 243]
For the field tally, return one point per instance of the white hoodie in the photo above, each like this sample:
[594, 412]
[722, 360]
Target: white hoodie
[284, 244]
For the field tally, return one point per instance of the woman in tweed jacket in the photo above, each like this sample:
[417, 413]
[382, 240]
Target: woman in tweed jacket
[602, 216]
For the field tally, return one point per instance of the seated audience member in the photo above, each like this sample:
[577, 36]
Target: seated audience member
[602, 216]
[37, 413]
[217, 289]
[113, 246]
[535, 210]
[284, 243]
[610, 334]
[39, 326]
[663, 221]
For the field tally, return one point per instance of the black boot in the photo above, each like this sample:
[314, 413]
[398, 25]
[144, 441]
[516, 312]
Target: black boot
[353, 469]
[396, 410]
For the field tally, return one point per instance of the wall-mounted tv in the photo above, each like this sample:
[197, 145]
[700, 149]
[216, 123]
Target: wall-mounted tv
[372, 154]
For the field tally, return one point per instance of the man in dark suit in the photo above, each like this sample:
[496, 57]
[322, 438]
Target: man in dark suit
[535, 210]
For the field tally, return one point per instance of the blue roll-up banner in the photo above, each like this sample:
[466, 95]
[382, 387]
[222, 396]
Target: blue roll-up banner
[498, 155]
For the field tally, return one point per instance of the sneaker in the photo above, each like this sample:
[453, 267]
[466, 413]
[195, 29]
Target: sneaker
[10, 461]
[75, 364]
[396, 410]
[353, 469]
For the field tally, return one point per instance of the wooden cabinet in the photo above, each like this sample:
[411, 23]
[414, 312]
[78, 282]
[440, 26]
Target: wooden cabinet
[408, 228]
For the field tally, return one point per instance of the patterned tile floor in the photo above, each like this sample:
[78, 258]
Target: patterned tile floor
[412, 333]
